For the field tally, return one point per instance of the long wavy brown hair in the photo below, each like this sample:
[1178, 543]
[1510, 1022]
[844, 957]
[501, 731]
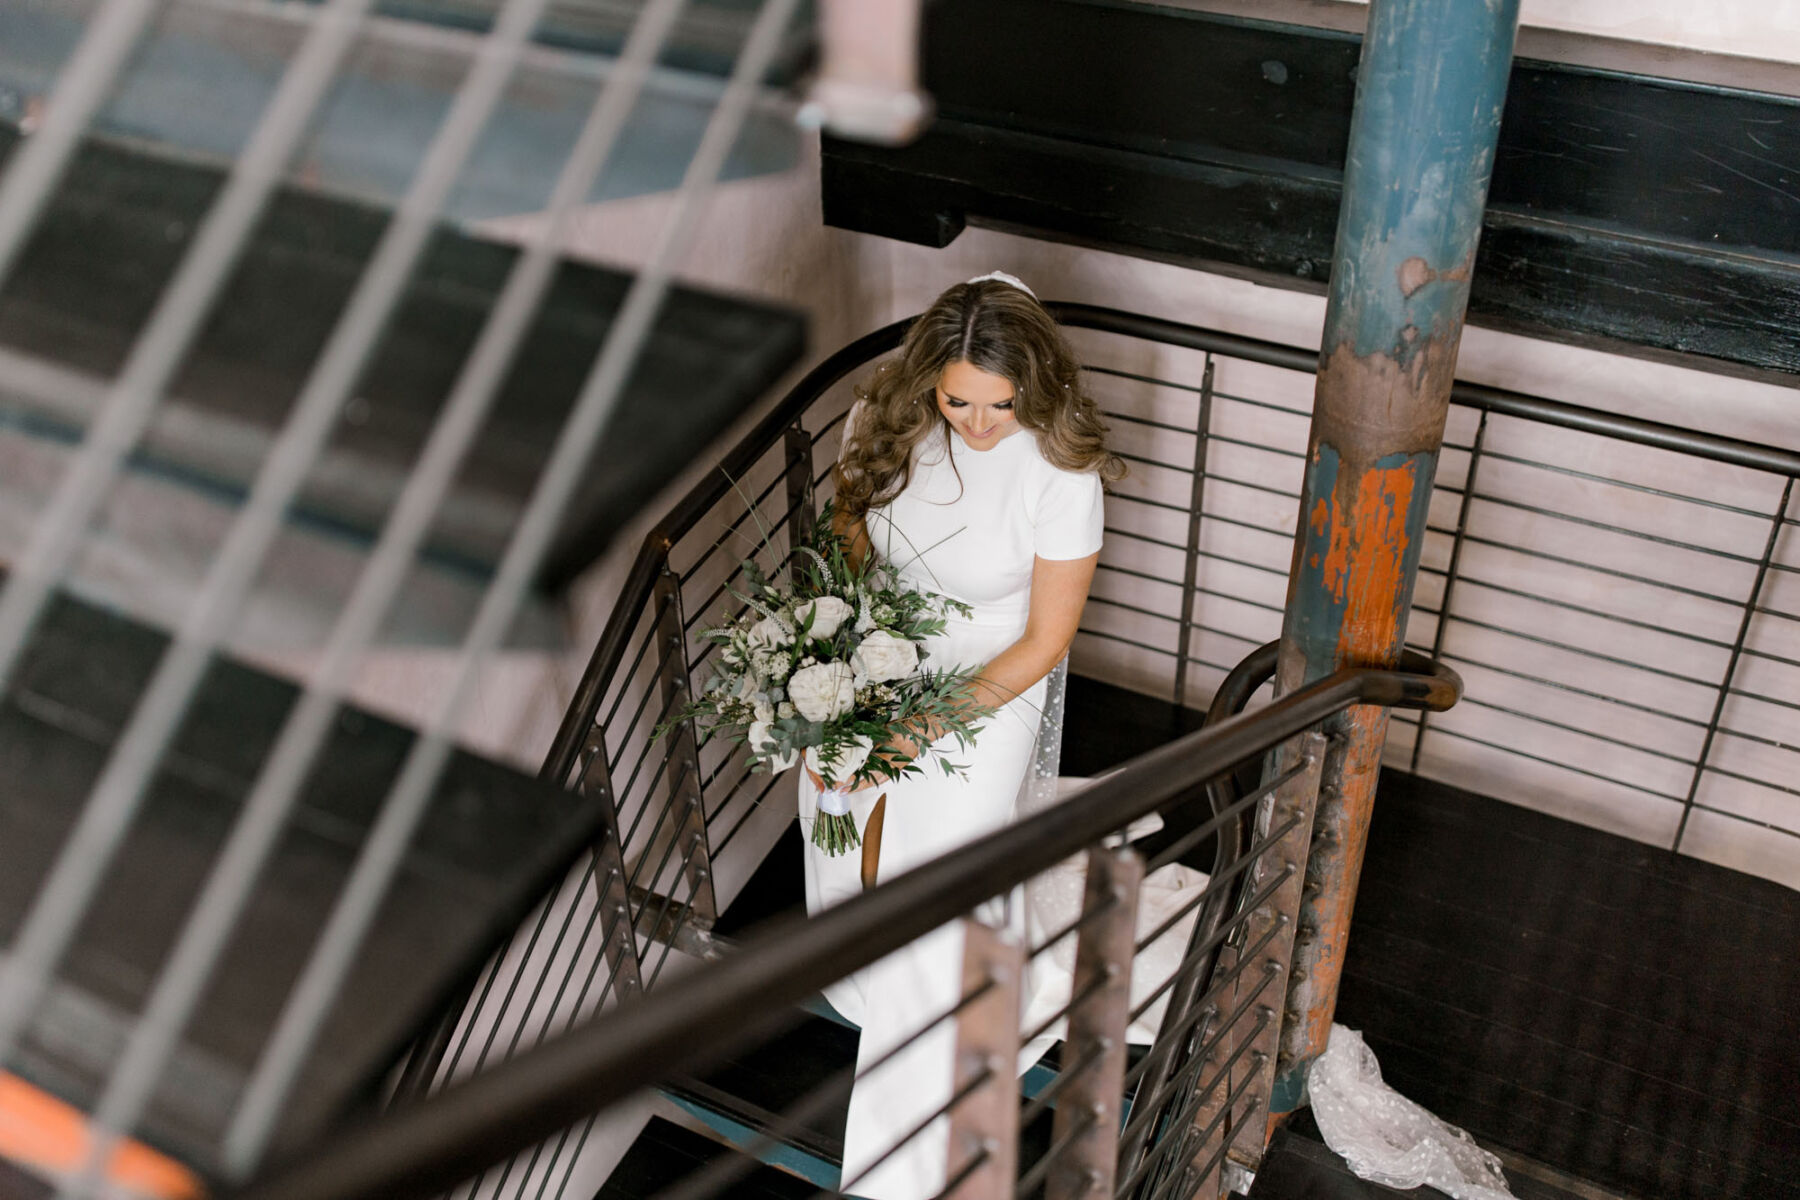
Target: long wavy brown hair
[999, 329]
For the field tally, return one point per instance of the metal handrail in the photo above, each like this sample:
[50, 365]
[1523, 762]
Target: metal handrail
[834, 369]
[1562, 414]
[578, 732]
[428, 1147]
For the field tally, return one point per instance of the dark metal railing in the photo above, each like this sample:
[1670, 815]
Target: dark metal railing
[445, 1139]
[683, 810]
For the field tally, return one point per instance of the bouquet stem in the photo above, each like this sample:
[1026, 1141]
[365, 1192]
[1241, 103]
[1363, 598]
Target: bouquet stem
[834, 834]
[834, 829]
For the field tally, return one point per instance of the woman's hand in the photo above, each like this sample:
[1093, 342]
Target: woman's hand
[819, 781]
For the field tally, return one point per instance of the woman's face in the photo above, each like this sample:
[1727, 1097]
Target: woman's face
[978, 405]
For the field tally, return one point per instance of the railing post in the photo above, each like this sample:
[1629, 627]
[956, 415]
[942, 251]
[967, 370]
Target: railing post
[1190, 574]
[1103, 951]
[801, 516]
[1271, 927]
[1737, 652]
[685, 779]
[1430, 89]
[983, 1158]
[593, 780]
[611, 892]
[1450, 573]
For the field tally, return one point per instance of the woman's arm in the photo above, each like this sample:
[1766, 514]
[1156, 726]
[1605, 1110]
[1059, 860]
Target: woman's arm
[1059, 591]
[855, 535]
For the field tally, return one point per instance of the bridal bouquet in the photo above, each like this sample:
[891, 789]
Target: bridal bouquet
[824, 668]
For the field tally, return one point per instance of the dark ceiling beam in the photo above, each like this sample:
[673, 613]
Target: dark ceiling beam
[1643, 215]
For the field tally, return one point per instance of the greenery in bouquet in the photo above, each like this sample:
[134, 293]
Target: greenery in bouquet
[824, 666]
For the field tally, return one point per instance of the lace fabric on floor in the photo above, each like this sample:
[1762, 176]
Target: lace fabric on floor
[1386, 1138]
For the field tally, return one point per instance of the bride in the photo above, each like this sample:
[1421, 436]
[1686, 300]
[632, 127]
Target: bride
[975, 464]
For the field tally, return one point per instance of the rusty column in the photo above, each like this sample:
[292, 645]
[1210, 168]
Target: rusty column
[1430, 88]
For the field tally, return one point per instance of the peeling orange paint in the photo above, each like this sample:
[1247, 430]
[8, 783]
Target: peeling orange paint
[1378, 536]
[1363, 567]
[44, 1134]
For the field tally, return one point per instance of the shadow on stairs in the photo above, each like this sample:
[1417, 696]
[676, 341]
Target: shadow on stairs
[1614, 1021]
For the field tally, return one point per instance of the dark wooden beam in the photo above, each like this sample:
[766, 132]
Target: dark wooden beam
[1645, 215]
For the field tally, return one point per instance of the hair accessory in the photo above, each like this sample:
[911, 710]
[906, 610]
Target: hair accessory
[1003, 277]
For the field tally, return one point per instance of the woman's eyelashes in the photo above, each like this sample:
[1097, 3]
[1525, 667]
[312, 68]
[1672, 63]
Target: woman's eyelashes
[953, 402]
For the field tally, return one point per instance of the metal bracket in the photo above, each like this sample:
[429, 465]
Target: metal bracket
[1103, 950]
[685, 777]
[1271, 927]
[983, 1159]
[595, 782]
[1190, 572]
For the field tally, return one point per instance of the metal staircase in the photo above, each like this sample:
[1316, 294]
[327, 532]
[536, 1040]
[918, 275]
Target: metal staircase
[707, 875]
[261, 386]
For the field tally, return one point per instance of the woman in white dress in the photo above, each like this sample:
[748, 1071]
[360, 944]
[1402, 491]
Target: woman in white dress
[974, 462]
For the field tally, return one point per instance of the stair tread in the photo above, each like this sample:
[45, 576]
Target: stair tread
[1613, 1011]
[665, 1153]
[1299, 1166]
[1610, 1009]
[777, 886]
[491, 842]
[367, 138]
[116, 228]
[773, 1076]
[1296, 1167]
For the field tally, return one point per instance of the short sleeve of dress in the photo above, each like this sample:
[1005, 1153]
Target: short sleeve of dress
[1070, 516]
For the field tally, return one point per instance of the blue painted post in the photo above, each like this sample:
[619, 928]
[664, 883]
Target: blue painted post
[1430, 89]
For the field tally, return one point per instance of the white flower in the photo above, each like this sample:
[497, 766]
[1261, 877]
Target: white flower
[842, 766]
[762, 743]
[765, 712]
[827, 612]
[824, 691]
[883, 656]
[768, 632]
[784, 710]
[770, 664]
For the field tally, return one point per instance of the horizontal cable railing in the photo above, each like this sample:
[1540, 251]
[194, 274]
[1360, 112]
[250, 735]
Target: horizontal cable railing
[439, 1142]
[1190, 583]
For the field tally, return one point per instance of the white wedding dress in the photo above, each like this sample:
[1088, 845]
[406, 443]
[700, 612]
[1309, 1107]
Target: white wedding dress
[968, 525]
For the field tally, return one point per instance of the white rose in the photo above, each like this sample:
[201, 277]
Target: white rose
[784, 710]
[765, 712]
[824, 691]
[884, 656]
[768, 632]
[849, 760]
[762, 736]
[828, 613]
